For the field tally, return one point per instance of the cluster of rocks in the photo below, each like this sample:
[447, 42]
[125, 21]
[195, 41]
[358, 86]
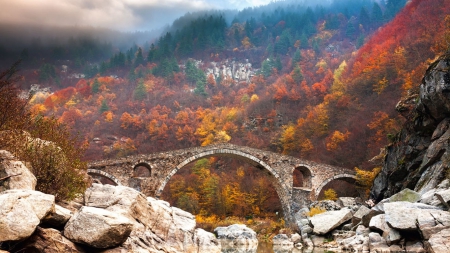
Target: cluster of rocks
[405, 222]
[108, 219]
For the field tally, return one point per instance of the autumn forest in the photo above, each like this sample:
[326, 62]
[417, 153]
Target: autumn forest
[317, 82]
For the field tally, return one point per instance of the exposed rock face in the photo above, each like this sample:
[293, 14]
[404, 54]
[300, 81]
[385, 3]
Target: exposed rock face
[418, 158]
[98, 228]
[118, 218]
[156, 225]
[21, 211]
[20, 176]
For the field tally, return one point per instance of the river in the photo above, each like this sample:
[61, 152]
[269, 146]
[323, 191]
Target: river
[268, 248]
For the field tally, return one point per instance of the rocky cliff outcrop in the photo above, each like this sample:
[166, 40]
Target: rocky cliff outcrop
[419, 157]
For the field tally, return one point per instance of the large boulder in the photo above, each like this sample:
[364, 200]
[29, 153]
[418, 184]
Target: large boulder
[16, 175]
[403, 215]
[156, 225]
[327, 221]
[21, 211]
[236, 234]
[432, 221]
[98, 228]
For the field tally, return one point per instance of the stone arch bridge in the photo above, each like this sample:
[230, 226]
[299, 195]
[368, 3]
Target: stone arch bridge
[151, 172]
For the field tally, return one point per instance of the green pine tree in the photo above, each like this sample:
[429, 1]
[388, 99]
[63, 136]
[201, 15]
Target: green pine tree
[104, 107]
[95, 86]
[140, 93]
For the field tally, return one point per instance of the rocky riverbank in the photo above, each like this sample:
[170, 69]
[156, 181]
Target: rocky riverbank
[405, 222]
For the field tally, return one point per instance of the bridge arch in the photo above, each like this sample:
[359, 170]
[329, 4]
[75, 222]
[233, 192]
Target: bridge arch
[280, 186]
[324, 183]
[103, 174]
[302, 176]
[142, 169]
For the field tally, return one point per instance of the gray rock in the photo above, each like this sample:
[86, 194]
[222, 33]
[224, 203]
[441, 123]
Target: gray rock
[392, 236]
[439, 242]
[307, 229]
[430, 197]
[403, 215]
[378, 223]
[21, 176]
[237, 234]
[432, 221]
[357, 217]
[98, 228]
[327, 221]
[444, 197]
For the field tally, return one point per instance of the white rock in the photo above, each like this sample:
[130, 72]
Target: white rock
[9, 166]
[17, 218]
[327, 221]
[206, 242]
[98, 228]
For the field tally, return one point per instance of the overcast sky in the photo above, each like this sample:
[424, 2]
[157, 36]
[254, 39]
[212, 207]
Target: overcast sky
[124, 15]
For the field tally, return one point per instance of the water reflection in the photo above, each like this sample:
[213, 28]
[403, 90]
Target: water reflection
[269, 248]
[262, 248]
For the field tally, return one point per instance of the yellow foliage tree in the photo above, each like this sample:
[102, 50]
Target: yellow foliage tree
[287, 139]
[364, 179]
[336, 138]
[330, 194]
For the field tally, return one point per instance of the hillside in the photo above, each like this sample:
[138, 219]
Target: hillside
[318, 83]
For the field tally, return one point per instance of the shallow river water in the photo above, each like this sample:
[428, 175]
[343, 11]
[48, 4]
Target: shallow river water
[268, 248]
